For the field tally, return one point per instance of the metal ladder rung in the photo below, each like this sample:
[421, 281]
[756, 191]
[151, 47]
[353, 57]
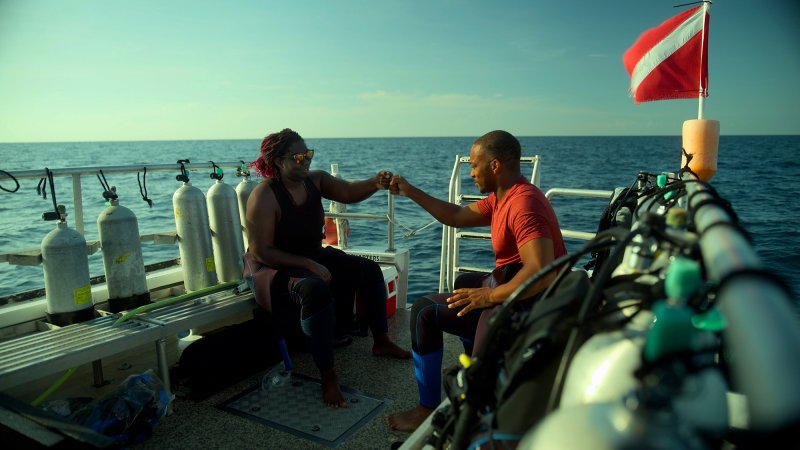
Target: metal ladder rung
[466, 269]
[473, 235]
[471, 198]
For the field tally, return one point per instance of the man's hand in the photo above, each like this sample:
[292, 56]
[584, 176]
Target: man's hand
[399, 186]
[470, 298]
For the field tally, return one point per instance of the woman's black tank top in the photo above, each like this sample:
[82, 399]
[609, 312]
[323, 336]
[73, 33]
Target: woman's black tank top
[300, 230]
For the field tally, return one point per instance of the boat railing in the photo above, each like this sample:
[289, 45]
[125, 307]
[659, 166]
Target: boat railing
[76, 174]
[577, 193]
[32, 256]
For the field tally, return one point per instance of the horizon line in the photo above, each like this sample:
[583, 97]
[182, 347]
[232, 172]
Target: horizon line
[376, 137]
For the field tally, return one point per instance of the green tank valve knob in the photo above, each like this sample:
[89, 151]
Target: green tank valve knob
[683, 279]
[661, 181]
[672, 331]
[711, 320]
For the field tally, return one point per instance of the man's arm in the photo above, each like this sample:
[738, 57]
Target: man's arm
[445, 212]
[535, 254]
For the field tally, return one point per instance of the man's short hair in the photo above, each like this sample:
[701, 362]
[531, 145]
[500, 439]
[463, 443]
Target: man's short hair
[500, 145]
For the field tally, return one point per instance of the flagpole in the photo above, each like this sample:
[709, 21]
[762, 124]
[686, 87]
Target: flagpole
[700, 97]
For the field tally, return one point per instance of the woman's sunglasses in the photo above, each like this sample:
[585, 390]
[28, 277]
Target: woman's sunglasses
[299, 157]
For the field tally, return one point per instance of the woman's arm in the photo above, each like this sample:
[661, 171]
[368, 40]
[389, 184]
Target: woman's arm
[343, 191]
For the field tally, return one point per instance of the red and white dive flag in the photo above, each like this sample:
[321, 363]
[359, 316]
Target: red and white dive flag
[671, 60]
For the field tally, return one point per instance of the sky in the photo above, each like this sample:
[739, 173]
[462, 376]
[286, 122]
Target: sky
[119, 70]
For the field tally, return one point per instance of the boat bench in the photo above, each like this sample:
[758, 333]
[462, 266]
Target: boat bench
[42, 353]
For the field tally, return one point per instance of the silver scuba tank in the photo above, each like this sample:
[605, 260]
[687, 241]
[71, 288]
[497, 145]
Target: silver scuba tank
[194, 237]
[616, 425]
[243, 190]
[65, 263]
[607, 404]
[123, 262]
[226, 236]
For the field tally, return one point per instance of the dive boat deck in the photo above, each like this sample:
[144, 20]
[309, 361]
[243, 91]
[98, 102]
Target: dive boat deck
[202, 424]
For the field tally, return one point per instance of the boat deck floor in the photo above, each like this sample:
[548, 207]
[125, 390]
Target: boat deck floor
[202, 423]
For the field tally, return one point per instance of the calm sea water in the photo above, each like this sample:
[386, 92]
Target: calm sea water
[756, 174]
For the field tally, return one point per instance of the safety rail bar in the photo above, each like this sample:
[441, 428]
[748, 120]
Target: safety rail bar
[582, 193]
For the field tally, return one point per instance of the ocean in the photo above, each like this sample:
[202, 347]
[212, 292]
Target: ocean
[755, 173]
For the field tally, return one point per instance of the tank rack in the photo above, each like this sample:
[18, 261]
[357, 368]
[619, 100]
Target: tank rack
[45, 352]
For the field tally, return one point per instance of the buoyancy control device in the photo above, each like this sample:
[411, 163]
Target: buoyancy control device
[123, 262]
[194, 236]
[225, 225]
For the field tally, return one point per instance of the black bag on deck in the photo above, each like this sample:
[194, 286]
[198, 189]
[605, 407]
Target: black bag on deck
[507, 392]
[227, 355]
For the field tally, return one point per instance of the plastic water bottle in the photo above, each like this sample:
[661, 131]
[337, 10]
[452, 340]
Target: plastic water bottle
[276, 377]
[280, 374]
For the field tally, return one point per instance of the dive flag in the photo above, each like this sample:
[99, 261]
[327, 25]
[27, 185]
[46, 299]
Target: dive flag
[671, 60]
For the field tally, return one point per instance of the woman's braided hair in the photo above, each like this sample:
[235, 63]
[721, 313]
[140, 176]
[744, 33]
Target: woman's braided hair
[273, 146]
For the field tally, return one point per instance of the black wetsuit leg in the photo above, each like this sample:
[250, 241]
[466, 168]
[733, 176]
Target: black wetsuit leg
[293, 290]
[430, 318]
[351, 274]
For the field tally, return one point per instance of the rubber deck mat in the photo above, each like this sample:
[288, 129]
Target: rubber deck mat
[297, 408]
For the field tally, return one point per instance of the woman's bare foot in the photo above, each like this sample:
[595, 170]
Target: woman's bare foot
[408, 420]
[331, 392]
[383, 346]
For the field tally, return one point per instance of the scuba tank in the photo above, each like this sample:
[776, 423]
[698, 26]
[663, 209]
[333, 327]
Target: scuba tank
[65, 262]
[226, 236]
[194, 238]
[243, 190]
[654, 381]
[123, 262]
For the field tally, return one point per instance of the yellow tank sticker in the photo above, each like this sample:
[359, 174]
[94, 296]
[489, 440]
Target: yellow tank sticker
[121, 258]
[210, 267]
[82, 294]
[177, 212]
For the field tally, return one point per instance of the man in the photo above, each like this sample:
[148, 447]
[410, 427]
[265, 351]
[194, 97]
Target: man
[525, 238]
[285, 219]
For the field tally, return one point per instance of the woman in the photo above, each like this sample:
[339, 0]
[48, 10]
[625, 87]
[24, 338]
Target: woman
[285, 220]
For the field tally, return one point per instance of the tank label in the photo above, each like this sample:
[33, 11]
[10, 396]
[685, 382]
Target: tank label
[210, 267]
[82, 294]
[177, 213]
[121, 258]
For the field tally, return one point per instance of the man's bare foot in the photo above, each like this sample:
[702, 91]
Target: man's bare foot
[408, 420]
[383, 346]
[331, 392]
